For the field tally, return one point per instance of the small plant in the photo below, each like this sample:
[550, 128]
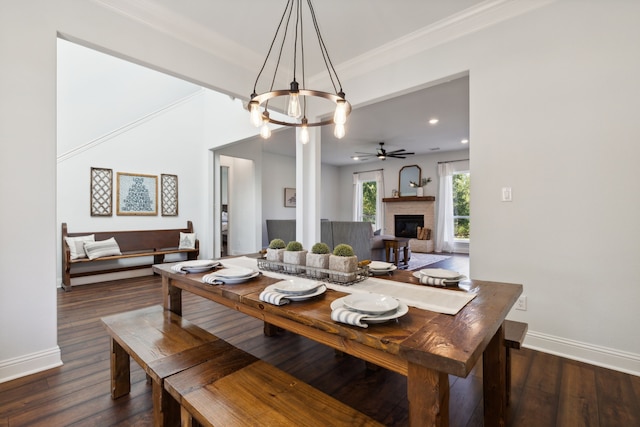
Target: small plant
[425, 181]
[294, 246]
[343, 250]
[320, 248]
[276, 244]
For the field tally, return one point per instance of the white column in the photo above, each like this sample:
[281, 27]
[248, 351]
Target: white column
[308, 168]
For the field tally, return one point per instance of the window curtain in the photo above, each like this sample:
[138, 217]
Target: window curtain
[444, 228]
[358, 180]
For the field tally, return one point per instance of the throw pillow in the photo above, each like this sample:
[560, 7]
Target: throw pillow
[102, 248]
[377, 232]
[187, 241]
[76, 245]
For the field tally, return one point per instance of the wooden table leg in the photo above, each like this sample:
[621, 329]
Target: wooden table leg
[120, 374]
[428, 395]
[387, 254]
[172, 296]
[406, 254]
[494, 381]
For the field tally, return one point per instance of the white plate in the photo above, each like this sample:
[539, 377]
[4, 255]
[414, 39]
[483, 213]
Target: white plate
[370, 303]
[440, 273]
[379, 265]
[235, 280]
[378, 272]
[401, 311]
[234, 273]
[199, 263]
[198, 269]
[296, 287]
[319, 291]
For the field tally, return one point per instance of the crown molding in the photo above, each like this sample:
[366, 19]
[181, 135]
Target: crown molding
[468, 21]
[453, 27]
[165, 21]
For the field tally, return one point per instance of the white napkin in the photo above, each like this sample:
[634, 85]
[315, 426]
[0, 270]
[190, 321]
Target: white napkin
[273, 297]
[211, 279]
[347, 316]
[178, 268]
[435, 281]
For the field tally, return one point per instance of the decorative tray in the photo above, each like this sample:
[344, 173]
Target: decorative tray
[315, 273]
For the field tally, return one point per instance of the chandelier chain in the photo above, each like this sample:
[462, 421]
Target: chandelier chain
[323, 48]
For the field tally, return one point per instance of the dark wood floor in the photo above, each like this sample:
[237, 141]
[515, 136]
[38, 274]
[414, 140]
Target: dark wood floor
[547, 390]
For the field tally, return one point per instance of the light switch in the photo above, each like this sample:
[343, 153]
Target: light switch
[506, 194]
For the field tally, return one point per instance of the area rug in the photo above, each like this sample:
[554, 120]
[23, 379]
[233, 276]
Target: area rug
[420, 260]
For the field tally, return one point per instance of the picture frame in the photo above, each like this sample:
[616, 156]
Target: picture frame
[289, 197]
[101, 199]
[137, 194]
[169, 194]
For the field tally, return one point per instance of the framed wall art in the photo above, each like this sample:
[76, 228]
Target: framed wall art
[137, 194]
[169, 194]
[289, 197]
[101, 192]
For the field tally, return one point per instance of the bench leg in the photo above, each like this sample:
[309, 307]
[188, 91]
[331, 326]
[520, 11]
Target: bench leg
[120, 376]
[507, 372]
[166, 411]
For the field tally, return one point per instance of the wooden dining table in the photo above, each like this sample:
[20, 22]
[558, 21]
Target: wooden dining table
[423, 345]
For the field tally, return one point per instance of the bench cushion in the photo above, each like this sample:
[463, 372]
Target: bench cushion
[76, 245]
[102, 248]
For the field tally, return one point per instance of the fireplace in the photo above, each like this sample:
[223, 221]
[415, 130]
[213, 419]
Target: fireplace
[406, 225]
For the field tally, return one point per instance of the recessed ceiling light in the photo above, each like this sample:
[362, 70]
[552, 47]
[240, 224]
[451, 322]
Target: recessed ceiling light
[355, 157]
[465, 141]
[433, 121]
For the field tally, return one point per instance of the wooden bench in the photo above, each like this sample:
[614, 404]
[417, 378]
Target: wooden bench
[256, 394]
[514, 334]
[163, 344]
[196, 374]
[137, 243]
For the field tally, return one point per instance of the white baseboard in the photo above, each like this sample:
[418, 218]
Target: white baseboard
[96, 278]
[589, 353]
[11, 369]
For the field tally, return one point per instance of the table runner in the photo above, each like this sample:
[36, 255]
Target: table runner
[423, 297]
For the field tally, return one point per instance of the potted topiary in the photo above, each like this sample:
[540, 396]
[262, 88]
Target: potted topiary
[275, 252]
[294, 254]
[343, 260]
[318, 258]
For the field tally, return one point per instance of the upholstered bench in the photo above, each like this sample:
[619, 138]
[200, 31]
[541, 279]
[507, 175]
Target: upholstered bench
[163, 344]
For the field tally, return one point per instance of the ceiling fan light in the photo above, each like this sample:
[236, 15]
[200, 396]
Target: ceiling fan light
[339, 131]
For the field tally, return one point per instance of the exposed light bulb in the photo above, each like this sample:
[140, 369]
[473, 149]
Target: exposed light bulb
[254, 110]
[304, 131]
[340, 115]
[294, 110]
[265, 131]
[339, 131]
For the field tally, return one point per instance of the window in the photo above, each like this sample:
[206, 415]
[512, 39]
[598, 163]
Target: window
[461, 193]
[368, 192]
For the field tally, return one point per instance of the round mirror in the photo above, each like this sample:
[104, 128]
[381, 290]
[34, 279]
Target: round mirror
[410, 177]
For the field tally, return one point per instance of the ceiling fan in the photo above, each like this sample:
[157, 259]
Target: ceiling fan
[382, 154]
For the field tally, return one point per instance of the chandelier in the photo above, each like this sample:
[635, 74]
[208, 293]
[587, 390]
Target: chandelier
[299, 96]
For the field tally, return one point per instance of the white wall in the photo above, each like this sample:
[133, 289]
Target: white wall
[554, 96]
[167, 143]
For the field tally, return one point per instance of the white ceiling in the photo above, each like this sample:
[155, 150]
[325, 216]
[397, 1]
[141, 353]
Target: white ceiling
[243, 29]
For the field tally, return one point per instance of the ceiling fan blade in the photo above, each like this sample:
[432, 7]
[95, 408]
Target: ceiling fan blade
[400, 154]
[397, 157]
[396, 151]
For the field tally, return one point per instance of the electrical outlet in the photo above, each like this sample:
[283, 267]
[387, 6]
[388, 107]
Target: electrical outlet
[521, 304]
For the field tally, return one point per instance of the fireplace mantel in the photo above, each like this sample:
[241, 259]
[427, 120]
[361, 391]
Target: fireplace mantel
[409, 199]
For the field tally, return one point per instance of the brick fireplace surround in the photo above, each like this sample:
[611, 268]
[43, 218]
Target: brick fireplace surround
[409, 206]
